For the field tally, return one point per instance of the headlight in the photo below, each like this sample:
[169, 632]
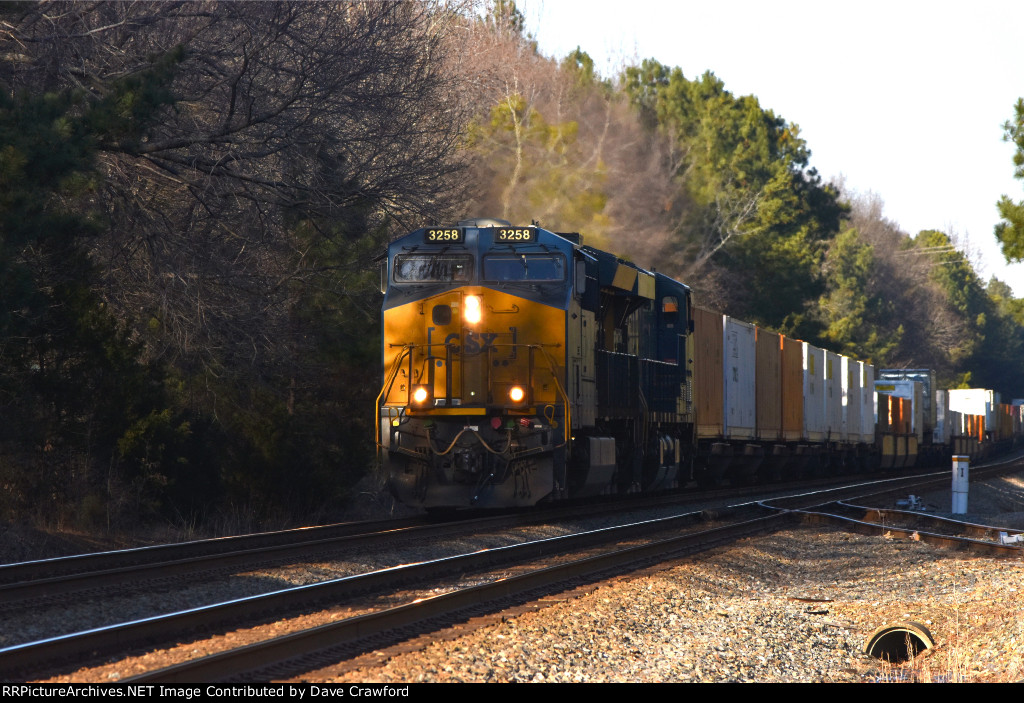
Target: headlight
[516, 394]
[472, 311]
[420, 395]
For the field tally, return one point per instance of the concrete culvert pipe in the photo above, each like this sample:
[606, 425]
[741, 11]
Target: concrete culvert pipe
[899, 643]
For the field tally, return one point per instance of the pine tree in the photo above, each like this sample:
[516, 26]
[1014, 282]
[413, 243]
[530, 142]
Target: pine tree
[1010, 232]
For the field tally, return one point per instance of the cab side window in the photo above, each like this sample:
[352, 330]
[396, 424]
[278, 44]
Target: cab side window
[669, 310]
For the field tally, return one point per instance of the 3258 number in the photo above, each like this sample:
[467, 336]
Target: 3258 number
[519, 234]
[444, 235]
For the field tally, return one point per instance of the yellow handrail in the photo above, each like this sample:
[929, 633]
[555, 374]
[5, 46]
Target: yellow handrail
[408, 348]
[386, 390]
[561, 391]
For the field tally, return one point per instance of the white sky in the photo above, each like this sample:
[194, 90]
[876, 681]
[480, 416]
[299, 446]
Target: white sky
[903, 98]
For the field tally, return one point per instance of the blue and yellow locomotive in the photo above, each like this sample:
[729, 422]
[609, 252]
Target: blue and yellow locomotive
[521, 366]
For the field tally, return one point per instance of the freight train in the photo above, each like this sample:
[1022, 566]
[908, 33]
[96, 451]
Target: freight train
[521, 366]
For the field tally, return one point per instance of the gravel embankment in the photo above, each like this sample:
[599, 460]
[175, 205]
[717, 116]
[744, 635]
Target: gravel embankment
[107, 606]
[795, 606]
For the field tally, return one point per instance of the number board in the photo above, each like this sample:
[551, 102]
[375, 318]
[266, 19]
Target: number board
[515, 234]
[446, 235]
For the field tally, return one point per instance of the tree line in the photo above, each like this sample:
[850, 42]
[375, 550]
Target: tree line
[193, 196]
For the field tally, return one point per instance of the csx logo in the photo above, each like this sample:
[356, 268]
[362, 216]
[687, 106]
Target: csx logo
[476, 342]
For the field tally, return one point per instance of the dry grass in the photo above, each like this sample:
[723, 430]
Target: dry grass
[982, 644]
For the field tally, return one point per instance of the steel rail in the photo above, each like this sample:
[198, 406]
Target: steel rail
[131, 574]
[354, 634]
[344, 637]
[935, 538]
[33, 580]
[970, 529]
[103, 640]
[41, 570]
[150, 630]
[173, 625]
[887, 487]
[125, 558]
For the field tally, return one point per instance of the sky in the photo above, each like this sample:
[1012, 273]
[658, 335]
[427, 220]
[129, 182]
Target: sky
[900, 98]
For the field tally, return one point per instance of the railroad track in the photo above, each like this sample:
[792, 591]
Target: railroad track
[22, 659]
[291, 655]
[27, 584]
[897, 524]
[221, 547]
[532, 578]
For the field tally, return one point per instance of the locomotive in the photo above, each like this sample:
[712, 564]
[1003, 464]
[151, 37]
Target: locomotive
[521, 366]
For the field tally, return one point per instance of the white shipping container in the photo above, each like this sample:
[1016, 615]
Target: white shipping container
[833, 397]
[851, 399]
[955, 420]
[814, 393]
[739, 392]
[943, 427]
[869, 402]
[974, 401]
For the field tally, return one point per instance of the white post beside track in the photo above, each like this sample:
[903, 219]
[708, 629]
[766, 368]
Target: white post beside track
[961, 483]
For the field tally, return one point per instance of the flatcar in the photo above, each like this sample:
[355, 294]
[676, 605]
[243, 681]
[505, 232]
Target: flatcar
[521, 366]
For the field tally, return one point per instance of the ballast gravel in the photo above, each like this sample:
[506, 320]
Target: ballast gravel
[796, 606]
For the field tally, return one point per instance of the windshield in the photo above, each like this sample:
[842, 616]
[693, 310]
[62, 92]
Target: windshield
[412, 268]
[524, 267]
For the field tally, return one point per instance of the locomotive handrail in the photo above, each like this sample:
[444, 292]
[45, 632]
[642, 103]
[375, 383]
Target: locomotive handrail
[565, 397]
[386, 390]
[407, 350]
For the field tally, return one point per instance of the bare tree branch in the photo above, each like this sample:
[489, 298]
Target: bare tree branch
[342, 114]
